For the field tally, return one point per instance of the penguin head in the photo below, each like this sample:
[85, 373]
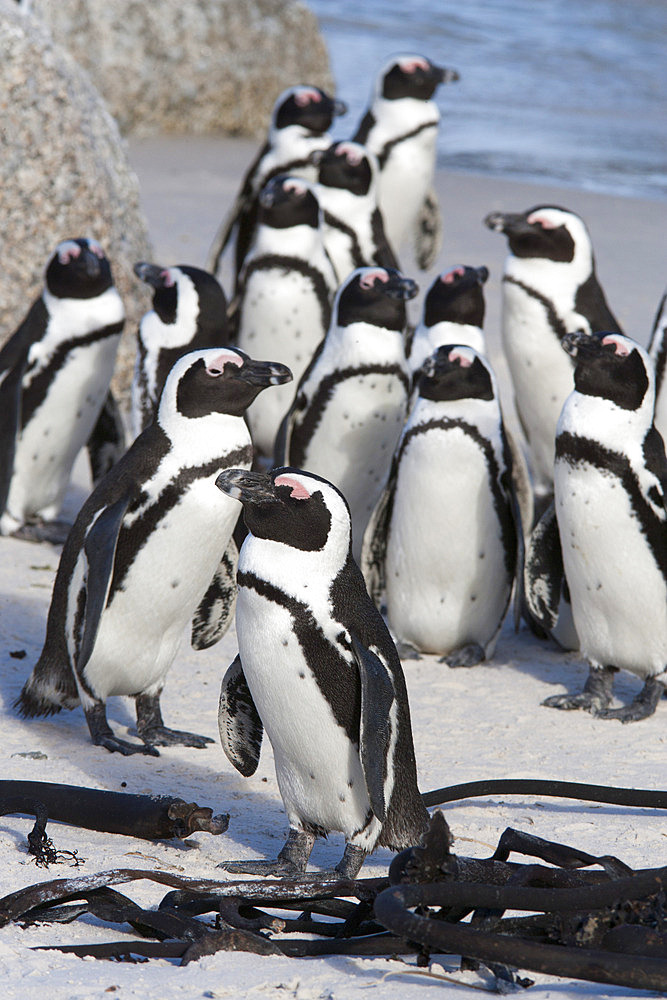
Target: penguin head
[412, 76]
[348, 165]
[79, 269]
[545, 231]
[455, 371]
[457, 296]
[291, 506]
[217, 380]
[288, 201]
[184, 294]
[310, 108]
[375, 295]
[611, 366]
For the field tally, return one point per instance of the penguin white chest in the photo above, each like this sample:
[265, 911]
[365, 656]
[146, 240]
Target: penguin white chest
[49, 443]
[447, 582]
[619, 597]
[317, 766]
[141, 629]
[404, 182]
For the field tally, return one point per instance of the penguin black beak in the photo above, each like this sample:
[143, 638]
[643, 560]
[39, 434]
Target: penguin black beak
[264, 373]
[248, 487]
[508, 222]
[152, 274]
[400, 287]
[339, 108]
[577, 343]
[91, 263]
[482, 274]
[444, 75]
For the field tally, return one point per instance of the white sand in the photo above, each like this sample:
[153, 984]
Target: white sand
[468, 724]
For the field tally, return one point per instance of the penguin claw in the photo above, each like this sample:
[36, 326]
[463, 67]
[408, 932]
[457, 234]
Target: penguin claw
[54, 532]
[162, 736]
[265, 868]
[115, 745]
[465, 656]
[569, 702]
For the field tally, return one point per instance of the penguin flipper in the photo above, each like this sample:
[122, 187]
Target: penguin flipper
[10, 408]
[239, 723]
[428, 232]
[377, 697]
[543, 573]
[374, 546]
[520, 495]
[216, 608]
[98, 552]
[106, 443]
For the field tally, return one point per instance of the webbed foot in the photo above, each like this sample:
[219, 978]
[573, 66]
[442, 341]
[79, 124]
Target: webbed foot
[102, 735]
[292, 859]
[594, 698]
[54, 532]
[406, 651]
[151, 727]
[642, 707]
[466, 656]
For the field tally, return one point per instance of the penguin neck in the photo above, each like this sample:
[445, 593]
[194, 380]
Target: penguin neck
[291, 143]
[364, 343]
[302, 241]
[197, 440]
[481, 413]
[614, 427]
[70, 318]
[403, 115]
[303, 575]
[563, 277]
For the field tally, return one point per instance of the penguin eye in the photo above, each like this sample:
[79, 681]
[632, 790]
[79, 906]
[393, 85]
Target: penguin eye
[216, 367]
[621, 349]
[368, 280]
[451, 276]
[540, 220]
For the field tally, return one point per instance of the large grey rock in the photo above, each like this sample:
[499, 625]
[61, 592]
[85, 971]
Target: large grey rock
[63, 173]
[205, 67]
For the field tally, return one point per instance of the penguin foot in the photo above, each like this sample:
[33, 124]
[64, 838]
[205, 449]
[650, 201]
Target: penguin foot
[642, 707]
[102, 734]
[467, 656]
[594, 698]
[407, 652]
[292, 859]
[162, 736]
[55, 532]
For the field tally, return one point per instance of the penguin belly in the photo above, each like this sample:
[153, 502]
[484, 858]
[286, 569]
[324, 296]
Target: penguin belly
[354, 441]
[318, 768]
[446, 577]
[541, 375]
[282, 320]
[400, 202]
[618, 594]
[48, 445]
[142, 628]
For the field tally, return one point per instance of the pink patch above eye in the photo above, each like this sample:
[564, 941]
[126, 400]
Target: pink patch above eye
[540, 220]
[94, 246]
[299, 491]
[451, 276]
[168, 280]
[68, 251]
[463, 359]
[353, 155]
[368, 280]
[306, 97]
[295, 186]
[620, 347]
[411, 65]
[228, 358]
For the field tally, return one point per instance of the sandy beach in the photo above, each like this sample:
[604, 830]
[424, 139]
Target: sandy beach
[469, 724]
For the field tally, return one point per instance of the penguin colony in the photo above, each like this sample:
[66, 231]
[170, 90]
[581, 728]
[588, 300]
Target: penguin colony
[387, 513]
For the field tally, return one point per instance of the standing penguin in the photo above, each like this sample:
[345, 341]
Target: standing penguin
[549, 289]
[445, 540]
[354, 234]
[453, 313]
[401, 128]
[300, 123]
[316, 669]
[351, 402]
[54, 389]
[143, 551]
[189, 313]
[286, 288]
[657, 350]
[610, 483]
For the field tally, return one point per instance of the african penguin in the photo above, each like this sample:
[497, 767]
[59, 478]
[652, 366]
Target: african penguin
[657, 350]
[54, 389]
[353, 229]
[453, 313]
[351, 402]
[445, 539]
[299, 126]
[549, 289]
[610, 478]
[189, 313]
[400, 127]
[286, 288]
[139, 561]
[317, 670]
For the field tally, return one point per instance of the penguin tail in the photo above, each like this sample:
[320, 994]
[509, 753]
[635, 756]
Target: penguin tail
[48, 690]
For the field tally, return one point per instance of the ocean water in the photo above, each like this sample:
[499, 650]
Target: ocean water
[572, 92]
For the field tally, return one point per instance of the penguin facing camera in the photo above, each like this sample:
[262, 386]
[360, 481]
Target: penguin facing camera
[549, 289]
[317, 670]
[453, 313]
[610, 478]
[445, 542]
[55, 372]
[138, 564]
[286, 288]
[189, 313]
[351, 402]
[299, 126]
[400, 127]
